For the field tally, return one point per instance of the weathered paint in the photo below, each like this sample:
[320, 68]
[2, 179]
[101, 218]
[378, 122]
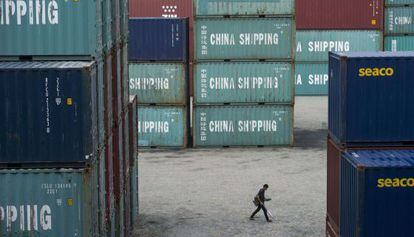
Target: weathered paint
[158, 83]
[371, 99]
[311, 78]
[399, 43]
[376, 193]
[244, 7]
[49, 28]
[251, 125]
[49, 112]
[133, 126]
[135, 192]
[314, 46]
[243, 82]
[162, 126]
[60, 202]
[398, 2]
[399, 20]
[244, 38]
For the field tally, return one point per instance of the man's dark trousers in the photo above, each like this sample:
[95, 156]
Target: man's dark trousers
[258, 209]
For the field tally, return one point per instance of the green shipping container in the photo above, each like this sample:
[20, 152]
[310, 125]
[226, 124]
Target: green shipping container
[399, 20]
[243, 82]
[399, 43]
[244, 7]
[158, 83]
[162, 126]
[314, 46]
[311, 78]
[49, 203]
[244, 38]
[399, 2]
[259, 125]
[55, 28]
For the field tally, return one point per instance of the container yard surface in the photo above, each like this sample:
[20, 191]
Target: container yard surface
[202, 192]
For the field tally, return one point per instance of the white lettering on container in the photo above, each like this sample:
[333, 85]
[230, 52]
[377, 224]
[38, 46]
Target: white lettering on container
[149, 83]
[227, 126]
[15, 11]
[225, 39]
[403, 20]
[326, 46]
[153, 127]
[28, 217]
[229, 83]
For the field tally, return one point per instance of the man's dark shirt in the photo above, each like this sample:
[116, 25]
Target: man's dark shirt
[261, 195]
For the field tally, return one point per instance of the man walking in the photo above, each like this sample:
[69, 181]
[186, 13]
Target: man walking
[259, 200]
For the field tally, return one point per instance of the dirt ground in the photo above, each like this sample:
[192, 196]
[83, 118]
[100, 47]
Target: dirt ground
[209, 192]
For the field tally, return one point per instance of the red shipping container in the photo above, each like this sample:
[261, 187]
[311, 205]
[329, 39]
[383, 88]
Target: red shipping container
[168, 9]
[339, 14]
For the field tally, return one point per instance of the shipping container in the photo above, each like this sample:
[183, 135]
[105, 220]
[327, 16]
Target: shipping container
[313, 46]
[399, 43]
[125, 192]
[330, 232]
[311, 78]
[158, 39]
[109, 188]
[49, 112]
[399, 20]
[243, 82]
[125, 75]
[100, 63]
[108, 95]
[249, 125]
[125, 20]
[339, 15]
[398, 2]
[370, 98]
[162, 126]
[54, 28]
[158, 83]
[244, 7]
[133, 129]
[376, 193]
[135, 192]
[58, 202]
[244, 38]
[103, 221]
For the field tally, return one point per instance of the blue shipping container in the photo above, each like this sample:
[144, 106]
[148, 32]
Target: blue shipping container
[158, 39]
[371, 98]
[48, 112]
[377, 193]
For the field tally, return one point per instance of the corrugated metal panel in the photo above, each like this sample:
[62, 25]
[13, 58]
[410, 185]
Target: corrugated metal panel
[370, 98]
[158, 39]
[244, 38]
[330, 232]
[339, 15]
[244, 7]
[399, 20]
[125, 20]
[48, 112]
[125, 76]
[60, 28]
[376, 193]
[133, 121]
[246, 82]
[101, 102]
[313, 46]
[158, 83]
[135, 192]
[258, 125]
[399, 43]
[311, 78]
[398, 2]
[162, 126]
[108, 94]
[102, 193]
[48, 203]
[333, 185]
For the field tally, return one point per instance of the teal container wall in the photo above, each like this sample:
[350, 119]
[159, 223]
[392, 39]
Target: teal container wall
[399, 43]
[158, 83]
[43, 203]
[244, 7]
[313, 46]
[63, 28]
[244, 38]
[398, 2]
[135, 192]
[258, 125]
[162, 126]
[311, 78]
[243, 82]
[399, 20]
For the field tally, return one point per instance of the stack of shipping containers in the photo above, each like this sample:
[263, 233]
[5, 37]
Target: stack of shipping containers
[62, 140]
[243, 73]
[338, 26]
[370, 148]
[158, 75]
[399, 25]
